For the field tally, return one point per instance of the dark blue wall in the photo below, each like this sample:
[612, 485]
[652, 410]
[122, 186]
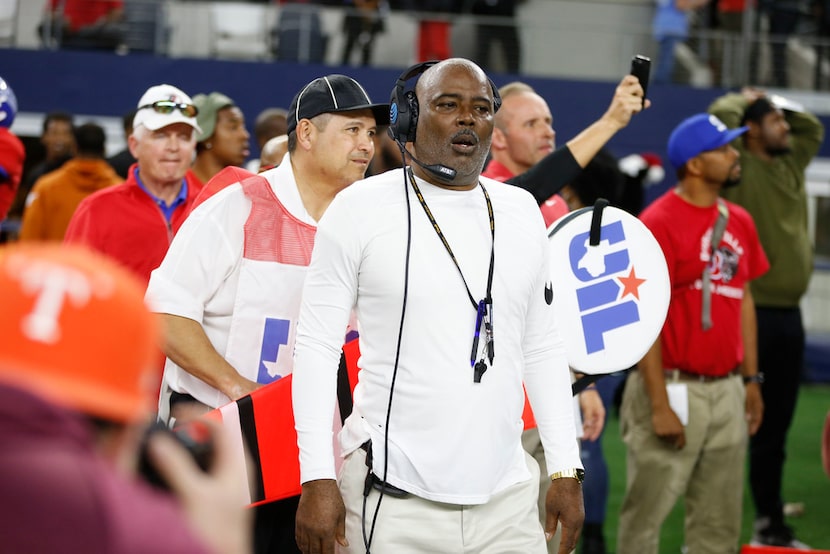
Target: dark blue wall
[110, 85]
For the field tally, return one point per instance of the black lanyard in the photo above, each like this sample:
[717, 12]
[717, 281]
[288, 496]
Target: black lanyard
[483, 308]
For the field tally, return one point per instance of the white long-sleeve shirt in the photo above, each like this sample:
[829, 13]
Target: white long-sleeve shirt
[450, 439]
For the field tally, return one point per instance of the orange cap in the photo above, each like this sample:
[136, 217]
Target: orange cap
[74, 328]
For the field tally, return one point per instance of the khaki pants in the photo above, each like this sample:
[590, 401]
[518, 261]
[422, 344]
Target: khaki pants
[708, 472]
[507, 524]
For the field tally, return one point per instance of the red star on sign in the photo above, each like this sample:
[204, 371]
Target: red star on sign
[631, 284]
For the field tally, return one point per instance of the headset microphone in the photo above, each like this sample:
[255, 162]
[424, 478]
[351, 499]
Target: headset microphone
[440, 171]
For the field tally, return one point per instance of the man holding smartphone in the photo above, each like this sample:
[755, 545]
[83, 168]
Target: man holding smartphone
[524, 149]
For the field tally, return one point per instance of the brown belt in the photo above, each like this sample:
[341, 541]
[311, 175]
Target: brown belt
[674, 375]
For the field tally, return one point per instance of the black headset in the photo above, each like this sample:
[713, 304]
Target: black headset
[403, 109]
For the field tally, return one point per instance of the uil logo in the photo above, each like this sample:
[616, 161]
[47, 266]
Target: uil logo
[611, 297]
[274, 339]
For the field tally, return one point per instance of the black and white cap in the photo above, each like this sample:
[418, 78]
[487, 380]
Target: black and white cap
[332, 94]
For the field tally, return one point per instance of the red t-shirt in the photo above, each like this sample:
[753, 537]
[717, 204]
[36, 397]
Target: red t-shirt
[684, 232]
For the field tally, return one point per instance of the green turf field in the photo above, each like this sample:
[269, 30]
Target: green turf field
[804, 479]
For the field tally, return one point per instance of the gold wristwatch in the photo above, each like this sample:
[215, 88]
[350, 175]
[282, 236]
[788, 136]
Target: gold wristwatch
[573, 473]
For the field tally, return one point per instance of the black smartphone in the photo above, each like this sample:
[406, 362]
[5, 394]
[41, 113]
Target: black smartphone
[640, 68]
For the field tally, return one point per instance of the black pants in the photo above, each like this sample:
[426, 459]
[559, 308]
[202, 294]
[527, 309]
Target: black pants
[274, 527]
[359, 32]
[781, 359]
[782, 23]
[508, 38]
[822, 51]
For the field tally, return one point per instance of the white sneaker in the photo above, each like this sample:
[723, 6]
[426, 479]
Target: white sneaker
[770, 534]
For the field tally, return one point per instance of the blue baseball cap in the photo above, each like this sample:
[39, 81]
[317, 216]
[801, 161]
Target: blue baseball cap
[699, 133]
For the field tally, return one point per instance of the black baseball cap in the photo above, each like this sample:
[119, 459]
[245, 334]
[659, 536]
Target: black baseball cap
[333, 94]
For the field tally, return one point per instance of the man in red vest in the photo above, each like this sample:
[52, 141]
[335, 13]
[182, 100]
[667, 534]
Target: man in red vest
[230, 286]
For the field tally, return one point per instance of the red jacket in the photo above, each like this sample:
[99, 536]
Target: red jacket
[125, 223]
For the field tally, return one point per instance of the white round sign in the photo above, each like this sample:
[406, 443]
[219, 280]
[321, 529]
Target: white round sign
[611, 298]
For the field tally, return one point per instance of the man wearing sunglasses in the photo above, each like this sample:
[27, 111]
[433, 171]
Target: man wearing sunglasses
[229, 288]
[134, 222]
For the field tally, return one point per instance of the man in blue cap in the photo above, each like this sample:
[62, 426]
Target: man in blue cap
[688, 409]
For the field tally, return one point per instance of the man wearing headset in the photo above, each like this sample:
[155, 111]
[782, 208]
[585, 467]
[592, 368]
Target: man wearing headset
[524, 149]
[448, 273]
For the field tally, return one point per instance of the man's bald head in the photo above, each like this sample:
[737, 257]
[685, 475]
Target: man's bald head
[456, 103]
[273, 152]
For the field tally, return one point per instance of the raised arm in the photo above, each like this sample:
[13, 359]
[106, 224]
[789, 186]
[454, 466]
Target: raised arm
[560, 167]
[627, 100]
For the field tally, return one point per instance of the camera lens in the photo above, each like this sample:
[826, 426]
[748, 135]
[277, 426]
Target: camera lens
[194, 436]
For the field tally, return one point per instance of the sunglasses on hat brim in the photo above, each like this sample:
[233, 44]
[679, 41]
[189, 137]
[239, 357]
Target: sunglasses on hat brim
[167, 107]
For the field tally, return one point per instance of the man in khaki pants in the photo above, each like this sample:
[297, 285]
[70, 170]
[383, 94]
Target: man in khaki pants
[687, 410]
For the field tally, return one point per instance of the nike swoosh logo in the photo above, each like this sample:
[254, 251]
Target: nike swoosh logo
[548, 293]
